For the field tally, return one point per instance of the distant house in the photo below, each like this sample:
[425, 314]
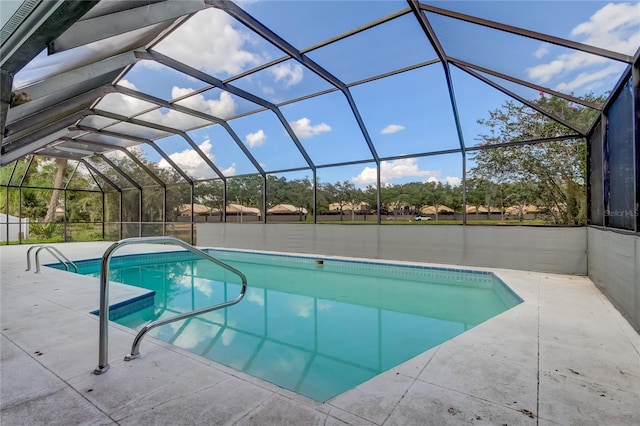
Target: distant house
[237, 209]
[198, 210]
[349, 207]
[286, 209]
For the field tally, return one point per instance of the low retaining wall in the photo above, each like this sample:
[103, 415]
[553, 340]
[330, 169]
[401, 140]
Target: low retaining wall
[544, 249]
[614, 266]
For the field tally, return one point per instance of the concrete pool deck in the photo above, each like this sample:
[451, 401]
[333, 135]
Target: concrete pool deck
[564, 356]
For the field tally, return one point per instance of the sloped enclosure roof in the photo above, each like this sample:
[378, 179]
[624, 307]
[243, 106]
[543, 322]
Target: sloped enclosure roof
[216, 88]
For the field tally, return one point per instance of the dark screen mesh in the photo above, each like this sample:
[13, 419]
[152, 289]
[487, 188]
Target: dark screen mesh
[596, 184]
[620, 144]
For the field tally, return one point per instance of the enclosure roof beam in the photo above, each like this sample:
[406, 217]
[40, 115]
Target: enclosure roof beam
[94, 28]
[257, 27]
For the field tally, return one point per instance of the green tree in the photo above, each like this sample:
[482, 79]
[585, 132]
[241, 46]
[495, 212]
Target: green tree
[556, 170]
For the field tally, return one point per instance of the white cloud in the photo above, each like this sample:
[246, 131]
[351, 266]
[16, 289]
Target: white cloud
[290, 73]
[191, 162]
[587, 80]
[213, 44]
[229, 171]
[392, 128]
[304, 130]
[542, 51]
[256, 139]
[614, 27]
[223, 107]
[392, 170]
[453, 180]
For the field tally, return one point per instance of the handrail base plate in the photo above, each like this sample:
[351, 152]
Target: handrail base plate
[101, 369]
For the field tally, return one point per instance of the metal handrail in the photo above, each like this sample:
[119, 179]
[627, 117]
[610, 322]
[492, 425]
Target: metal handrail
[103, 347]
[54, 252]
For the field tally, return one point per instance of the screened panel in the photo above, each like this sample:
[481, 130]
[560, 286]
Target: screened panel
[145, 76]
[573, 20]
[138, 131]
[152, 229]
[267, 140]
[344, 193]
[111, 140]
[579, 116]
[527, 59]
[187, 158]
[417, 116]
[97, 121]
[5, 173]
[181, 231]
[425, 190]
[83, 206]
[218, 45]
[224, 150]
[120, 104]
[173, 119]
[245, 199]
[290, 197]
[387, 47]
[622, 209]
[218, 103]
[313, 16]
[109, 172]
[178, 201]
[19, 172]
[152, 204]
[283, 82]
[130, 205]
[208, 201]
[596, 178]
[327, 129]
[500, 118]
[131, 168]
[83, 232]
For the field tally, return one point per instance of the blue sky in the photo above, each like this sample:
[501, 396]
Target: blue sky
[404, 114]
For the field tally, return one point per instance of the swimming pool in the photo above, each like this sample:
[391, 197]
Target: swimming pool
[316, 329]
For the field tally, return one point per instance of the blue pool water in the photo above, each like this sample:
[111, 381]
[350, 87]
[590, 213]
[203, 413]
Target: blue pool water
[317, 330]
